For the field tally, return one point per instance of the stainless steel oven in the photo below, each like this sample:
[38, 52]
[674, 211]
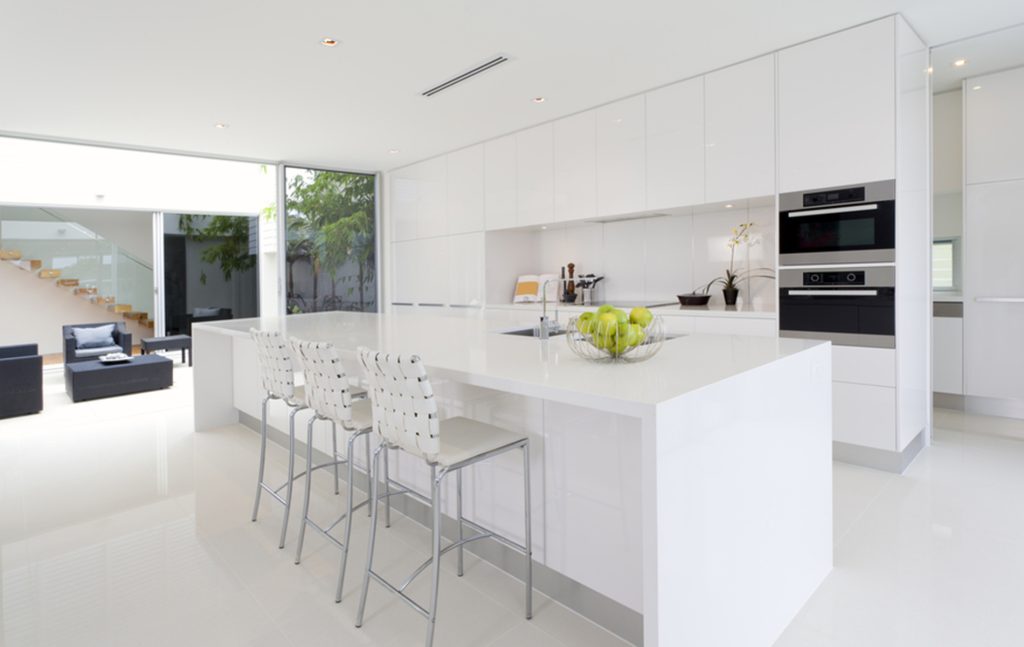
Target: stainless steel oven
[854, 306]
[852, 224]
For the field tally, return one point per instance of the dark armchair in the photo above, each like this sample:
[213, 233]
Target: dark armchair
[74, 352]
[21, 380]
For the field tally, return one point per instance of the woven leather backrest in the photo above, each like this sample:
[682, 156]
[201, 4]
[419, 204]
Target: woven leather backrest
[277, 372]
[327, 387]
[404, 407]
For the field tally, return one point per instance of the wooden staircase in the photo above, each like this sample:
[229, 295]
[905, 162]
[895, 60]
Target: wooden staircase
[75, 288]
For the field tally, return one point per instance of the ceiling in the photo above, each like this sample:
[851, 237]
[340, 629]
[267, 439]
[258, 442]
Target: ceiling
[160, 75]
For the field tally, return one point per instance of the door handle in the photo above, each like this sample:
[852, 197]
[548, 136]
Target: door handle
[833, 293]
[999, 300]
[825, 212]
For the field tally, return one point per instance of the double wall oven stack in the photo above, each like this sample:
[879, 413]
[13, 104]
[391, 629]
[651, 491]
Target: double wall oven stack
[837, 253]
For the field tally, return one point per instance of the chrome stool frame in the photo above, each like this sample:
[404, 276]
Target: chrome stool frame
[329, 397]
[277, 376]
[405, 416]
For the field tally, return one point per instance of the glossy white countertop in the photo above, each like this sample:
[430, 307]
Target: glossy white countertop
[471, 350]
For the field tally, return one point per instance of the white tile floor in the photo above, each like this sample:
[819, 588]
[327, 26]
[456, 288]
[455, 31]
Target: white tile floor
[119, 526]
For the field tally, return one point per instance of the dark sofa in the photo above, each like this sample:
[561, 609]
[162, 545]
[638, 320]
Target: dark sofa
[21, 380]
[122, 343]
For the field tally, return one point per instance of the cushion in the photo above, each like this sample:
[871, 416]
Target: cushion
[94, 337]
[98, 351]
[205, 312]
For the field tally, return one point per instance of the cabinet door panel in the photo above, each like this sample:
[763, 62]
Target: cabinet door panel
[466, 190]
[675, 145]
[403, 189]
[993, 136]
[500, 183]
[403, 271]
[864, 415]
[837, 109]
[432, 205]
[432, 270]
[948, 355]
[466, 269]
[735, 326]
[535, 176]
[621, 186]
[740, 131]
[575, 167]
[874, 366]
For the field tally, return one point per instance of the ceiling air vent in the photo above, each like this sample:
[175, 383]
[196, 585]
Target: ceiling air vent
[465, 76]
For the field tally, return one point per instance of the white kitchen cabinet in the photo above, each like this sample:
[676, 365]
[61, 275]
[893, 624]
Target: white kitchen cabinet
[404, 273]
[621, 184]
[466, 269]
[535, 176]
[735, 326]
[837, 116]
[675, 145]
[432, 201]
[500, 183]
[403, 190]
[948, 355]
[432, 268]
[993, 135]
[864, 415]
[739, 131]
[675, 325]
[466, 190]
[575, 173]
[993, 276]
[858, 365]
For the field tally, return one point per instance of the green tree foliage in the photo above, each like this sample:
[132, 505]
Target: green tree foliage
[331, 222]
[231, 237]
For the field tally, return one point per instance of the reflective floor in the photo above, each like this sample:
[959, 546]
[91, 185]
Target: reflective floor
[119, 526]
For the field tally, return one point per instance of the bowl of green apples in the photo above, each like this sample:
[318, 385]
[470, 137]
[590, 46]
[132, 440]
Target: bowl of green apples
[609, 334]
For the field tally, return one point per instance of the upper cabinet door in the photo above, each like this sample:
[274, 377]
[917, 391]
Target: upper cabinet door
[837, 109]
[403, 189]
[432, 205]
[993, 134]
[740, 131]
[675, 145]
[466, 190]
[575, 167]
[621, 187]
[535, 176]
[500, 183]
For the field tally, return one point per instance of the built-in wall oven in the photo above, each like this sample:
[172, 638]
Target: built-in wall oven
[852, 306]
[851, 224]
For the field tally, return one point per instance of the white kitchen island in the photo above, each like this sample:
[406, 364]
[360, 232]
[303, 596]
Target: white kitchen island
[690, 494]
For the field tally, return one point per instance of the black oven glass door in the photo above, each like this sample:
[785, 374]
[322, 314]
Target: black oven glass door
[857, 311]
[838, 229]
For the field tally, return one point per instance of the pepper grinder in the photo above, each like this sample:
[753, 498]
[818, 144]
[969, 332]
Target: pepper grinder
[570, 285]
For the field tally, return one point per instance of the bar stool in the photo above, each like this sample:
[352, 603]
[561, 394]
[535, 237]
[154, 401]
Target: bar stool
[277, 376]
[405, 417]
[329, 395]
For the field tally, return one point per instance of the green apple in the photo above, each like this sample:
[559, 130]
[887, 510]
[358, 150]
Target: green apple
[620, 345]
[636, 335]
[585, 322]
[640, 316]
[605, 324]
[605, 308]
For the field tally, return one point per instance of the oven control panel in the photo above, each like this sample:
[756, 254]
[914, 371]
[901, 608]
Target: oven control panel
[834, 278]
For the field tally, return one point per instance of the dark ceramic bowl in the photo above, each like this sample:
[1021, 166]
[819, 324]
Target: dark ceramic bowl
[693, 299]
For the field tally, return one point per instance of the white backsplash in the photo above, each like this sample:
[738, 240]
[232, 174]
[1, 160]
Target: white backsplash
[653, 259]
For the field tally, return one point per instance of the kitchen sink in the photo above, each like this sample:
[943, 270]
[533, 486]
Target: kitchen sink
[530, 332]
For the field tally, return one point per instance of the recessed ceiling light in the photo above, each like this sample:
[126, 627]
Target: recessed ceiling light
[960, 62]
[930, 69]
[221, 126]
[543, 226]
[538, 99]
[977, 87]
[728, 206]
[328, 42]
[394, 151]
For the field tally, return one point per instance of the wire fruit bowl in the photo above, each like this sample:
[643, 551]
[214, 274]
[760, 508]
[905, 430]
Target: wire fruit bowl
[615, 343]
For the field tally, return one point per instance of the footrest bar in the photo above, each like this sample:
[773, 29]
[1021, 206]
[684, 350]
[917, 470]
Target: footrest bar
[422, 567]
[403, 596]
[337, 542]
[500, 538]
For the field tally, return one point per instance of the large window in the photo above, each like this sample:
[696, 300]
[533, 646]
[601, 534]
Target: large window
[331, 260]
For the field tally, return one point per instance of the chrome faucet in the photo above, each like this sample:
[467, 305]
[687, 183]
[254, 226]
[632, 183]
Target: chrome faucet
[547, 326]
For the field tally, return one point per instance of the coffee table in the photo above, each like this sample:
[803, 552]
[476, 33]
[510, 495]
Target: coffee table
[94, 379]
[171, 342]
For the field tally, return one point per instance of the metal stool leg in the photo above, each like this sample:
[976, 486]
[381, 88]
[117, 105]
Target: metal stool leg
[373, 537]
[528, 537]
[348, 518]
[263, 456]
[309, 487]
[369, 471]
[291, 476]
[435, 500]
[387, 491]
[458, 514]
[334, 454]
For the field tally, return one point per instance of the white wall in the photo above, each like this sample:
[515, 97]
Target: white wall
[648, 259]
[35, 310]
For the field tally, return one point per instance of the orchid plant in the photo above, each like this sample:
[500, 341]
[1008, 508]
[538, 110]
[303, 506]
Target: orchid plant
[741, 235]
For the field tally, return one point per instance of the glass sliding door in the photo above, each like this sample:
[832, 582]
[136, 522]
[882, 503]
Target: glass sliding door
[210, 269]
[331, 238]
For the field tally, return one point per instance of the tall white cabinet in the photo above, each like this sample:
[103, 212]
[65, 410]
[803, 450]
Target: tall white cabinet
[675, 145]
[621, 185]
